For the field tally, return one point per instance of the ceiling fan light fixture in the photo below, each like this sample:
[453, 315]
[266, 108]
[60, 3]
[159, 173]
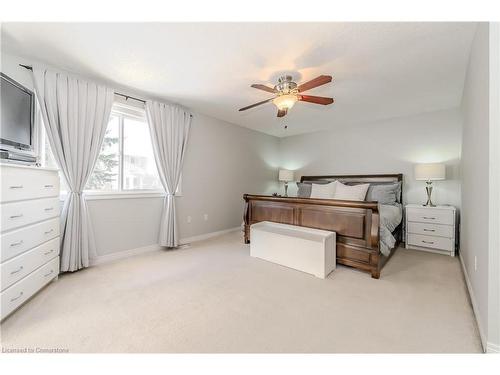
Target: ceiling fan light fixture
[285, 102]
[288, 93]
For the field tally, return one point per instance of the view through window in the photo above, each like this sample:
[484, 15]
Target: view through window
[126, 161]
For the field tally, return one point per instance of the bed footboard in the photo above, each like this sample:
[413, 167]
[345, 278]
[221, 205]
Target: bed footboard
[356, 224]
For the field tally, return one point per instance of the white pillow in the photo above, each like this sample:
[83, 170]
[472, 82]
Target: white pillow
[323, 191]
[350, 193]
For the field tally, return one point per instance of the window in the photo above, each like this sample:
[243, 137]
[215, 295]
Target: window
[107, 168]
[46, 156]
[126, 161]
[139, 167]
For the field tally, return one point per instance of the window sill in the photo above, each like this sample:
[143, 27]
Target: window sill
[91, 196]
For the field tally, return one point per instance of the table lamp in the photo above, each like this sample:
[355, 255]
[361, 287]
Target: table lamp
[429, 173]
[286, 176]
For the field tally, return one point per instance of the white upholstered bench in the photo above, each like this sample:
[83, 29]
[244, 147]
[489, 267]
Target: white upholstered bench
[304, 249]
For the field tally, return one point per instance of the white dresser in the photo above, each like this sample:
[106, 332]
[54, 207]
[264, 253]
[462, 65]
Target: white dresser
[29, 232]
[431, 228]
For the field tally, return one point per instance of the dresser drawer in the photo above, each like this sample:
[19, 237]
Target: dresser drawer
[430, 229]
[21, 291]
[17, 214]
[15, 269]
[20, 240]
[433, 242]
[27, 183]
[429, 215]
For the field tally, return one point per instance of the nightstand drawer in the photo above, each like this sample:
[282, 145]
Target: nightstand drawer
[431, 229]
[434, 242]
[430, 215]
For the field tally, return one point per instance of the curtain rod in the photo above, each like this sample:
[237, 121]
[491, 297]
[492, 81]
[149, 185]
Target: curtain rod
[116, 93]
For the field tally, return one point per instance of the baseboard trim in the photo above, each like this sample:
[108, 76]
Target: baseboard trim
[206, 236]
[146, 249]
[492, 348]
[124, 254]
[472, 297]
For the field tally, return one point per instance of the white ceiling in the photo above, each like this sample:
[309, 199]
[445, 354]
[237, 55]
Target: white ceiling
[380, 70]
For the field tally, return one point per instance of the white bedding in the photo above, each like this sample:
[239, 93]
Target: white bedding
[390, 218]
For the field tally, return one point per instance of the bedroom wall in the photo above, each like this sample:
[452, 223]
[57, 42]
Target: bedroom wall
[223, 161]
[475, 177]
[494, 219]
[390, 146]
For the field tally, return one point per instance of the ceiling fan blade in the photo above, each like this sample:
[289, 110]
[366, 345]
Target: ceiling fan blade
[318, 81]
[264, 87]
[282, 112]
[315, 99]
[255, 105]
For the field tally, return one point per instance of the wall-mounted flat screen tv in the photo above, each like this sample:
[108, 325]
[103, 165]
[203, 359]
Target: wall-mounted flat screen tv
[17, 107]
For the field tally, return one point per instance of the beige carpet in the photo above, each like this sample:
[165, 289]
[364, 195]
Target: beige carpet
[213, 297]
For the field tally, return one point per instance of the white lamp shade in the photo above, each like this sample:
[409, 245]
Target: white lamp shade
[285, 175]
[430, 172]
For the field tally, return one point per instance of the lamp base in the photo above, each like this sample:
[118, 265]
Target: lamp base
[286, 189]
[428, 189]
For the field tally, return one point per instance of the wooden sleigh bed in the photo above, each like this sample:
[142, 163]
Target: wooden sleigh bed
[356, 223]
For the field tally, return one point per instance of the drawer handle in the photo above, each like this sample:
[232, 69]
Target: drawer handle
[49, 231]
[429, 230]
[16, 216]
[16, 298]
[17, 271]
[16, 187]
[48, 252]
[429, 218]
[16, 243]
[48, 274]
[49, 208]
[429, 242]
[48, 186]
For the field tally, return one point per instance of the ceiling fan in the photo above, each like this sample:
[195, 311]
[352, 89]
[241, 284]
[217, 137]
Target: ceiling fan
[288, 93]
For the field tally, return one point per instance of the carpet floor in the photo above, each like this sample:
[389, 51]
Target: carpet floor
[213, 297]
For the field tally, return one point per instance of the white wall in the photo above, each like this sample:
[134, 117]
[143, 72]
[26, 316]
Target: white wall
[494, 227]
[391, 146]
[475, 176]
[223, 162]
[124, 224]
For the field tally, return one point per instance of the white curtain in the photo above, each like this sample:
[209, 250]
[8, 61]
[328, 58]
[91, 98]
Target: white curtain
[75, 114]
[169, 127]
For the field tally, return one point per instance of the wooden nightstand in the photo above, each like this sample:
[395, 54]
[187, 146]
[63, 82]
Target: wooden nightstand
[431, 228]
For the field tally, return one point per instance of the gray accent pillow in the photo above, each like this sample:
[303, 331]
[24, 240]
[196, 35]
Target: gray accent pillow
[304, 188]
[384, 194]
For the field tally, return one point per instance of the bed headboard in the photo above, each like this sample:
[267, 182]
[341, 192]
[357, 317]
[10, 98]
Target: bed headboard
[359, 179]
